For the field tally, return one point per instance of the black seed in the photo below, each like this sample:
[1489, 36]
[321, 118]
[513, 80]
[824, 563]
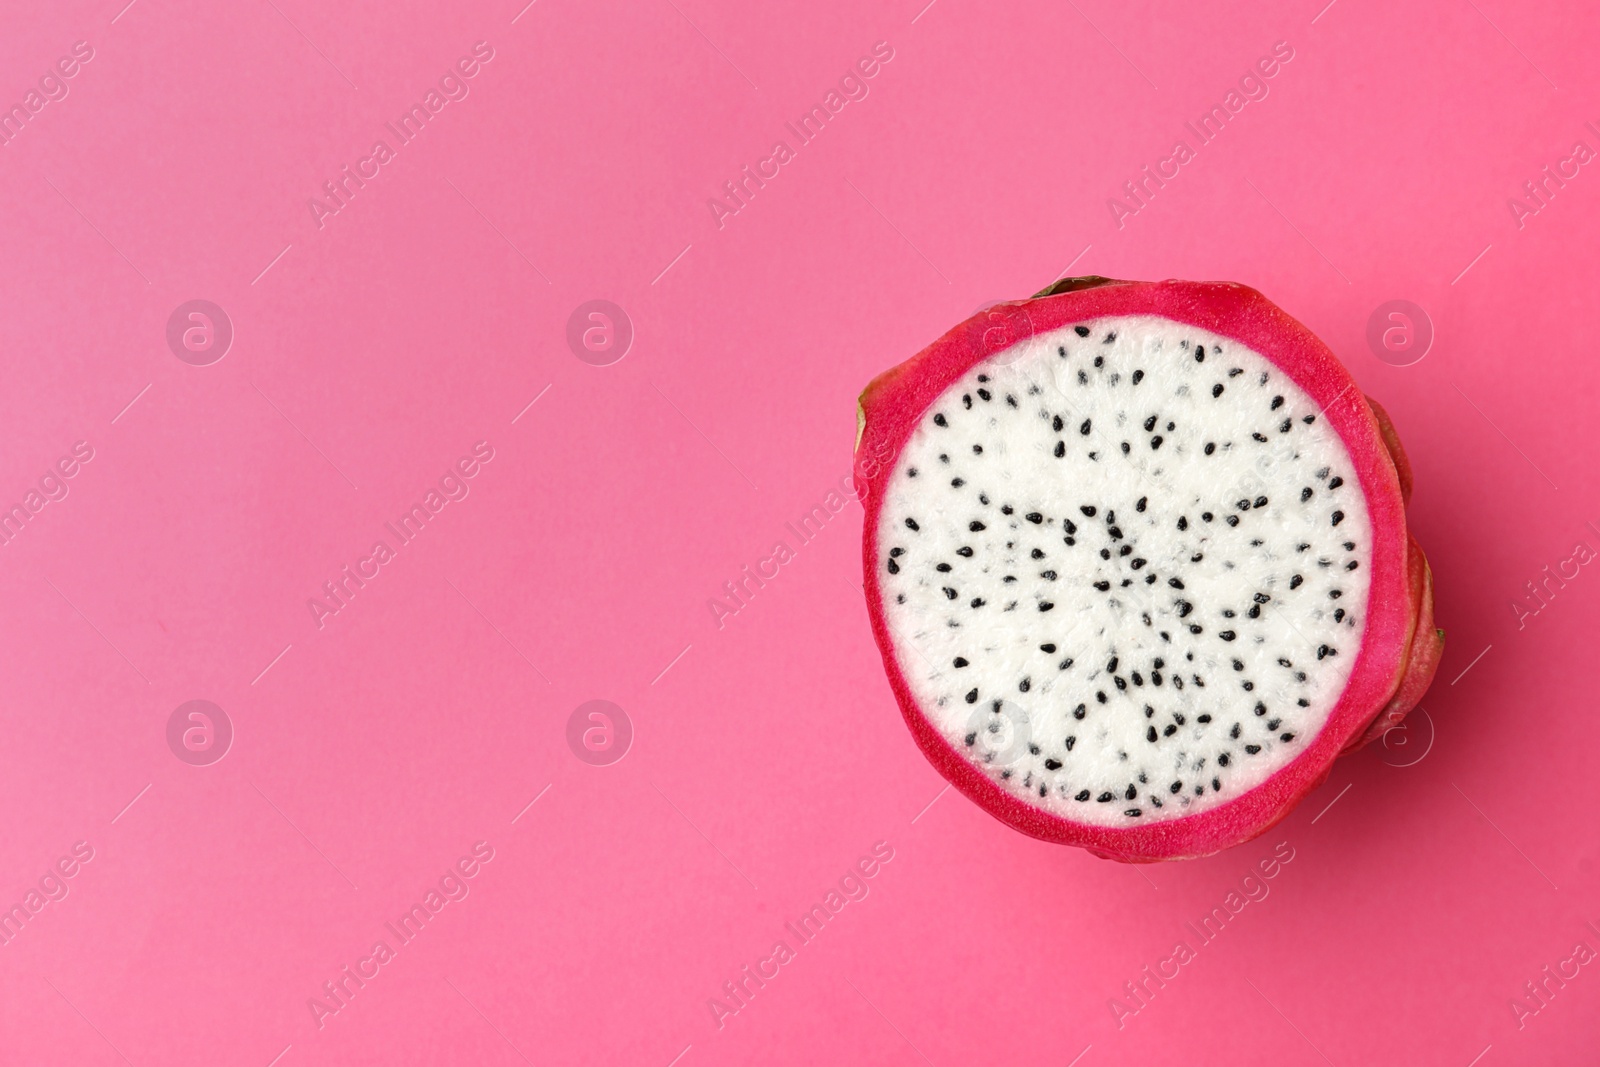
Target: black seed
[1243, 505]
[1252, 749]
[1102, 586]
[1295, 582]
[984, 392]
[942, 568]
[1176, 583]
[1324, 651]
[1183, 522]
[1155, 442]
[966, 401]
[1336, 482]
[1273, 724]
[1335, 594]
[1079, 711]
[1011, 400]
[1045, 605]
[1034, 517]
[977, 601]
[1084, 795]
[1047, 648]
[912, 524]
[950, 594]
[977, 450]
[1099, 694]
[1052, 765]
[1081, 331]
[1184, 607]
[1150, 735]
[1259, 437]
[1169, 731]
[1231, 520]
[1338, 517]
[894, 568]
[972, 697]
[1277, 402]
[1261, 502]
[971, 738]
[1061, 449]
[1216, 390]
[1199, 354]
[1286, 737]
[1131, 793]
[1206, 515]
[1202, 718]
[957, 483]
[1227, 635]
[1083, 427]
[1238, 665]
[1138, 679]
[897, 551]
[1210, 448]
[975, 526]
[1309, 419]
[1105, 553]
[1234, 733]
[1135, 563]
[960, 661]
[1194, 629]
[1338, 616]
[1122, 683]
[1056, 424]
[1105, 798]
[1099, 361]
[939, 420]
[1115, 532]
[964, 551]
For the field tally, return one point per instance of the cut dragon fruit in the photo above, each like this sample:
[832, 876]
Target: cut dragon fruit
[1137, 562]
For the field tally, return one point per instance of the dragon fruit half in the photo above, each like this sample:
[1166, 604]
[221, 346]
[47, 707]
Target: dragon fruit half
[1137, 562]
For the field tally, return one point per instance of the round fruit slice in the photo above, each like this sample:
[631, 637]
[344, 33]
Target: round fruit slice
[1137, 562]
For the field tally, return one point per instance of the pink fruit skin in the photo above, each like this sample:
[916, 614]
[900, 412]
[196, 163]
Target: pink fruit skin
[1387, 676]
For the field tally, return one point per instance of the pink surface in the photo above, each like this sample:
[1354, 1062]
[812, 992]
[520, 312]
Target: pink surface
[575, 555]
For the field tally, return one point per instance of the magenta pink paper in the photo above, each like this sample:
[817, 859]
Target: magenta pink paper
[395, 394]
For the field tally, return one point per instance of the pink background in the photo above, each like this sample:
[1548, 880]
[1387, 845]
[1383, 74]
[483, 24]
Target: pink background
[767, 756]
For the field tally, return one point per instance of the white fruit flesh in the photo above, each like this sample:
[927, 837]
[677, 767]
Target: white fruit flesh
[1172, 649]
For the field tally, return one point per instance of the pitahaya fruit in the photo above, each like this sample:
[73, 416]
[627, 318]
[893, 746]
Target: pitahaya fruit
[1137, 562]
